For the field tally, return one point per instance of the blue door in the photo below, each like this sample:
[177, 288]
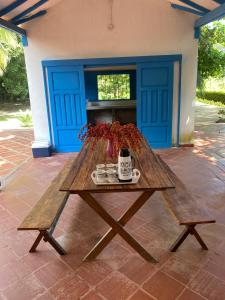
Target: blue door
[67, 106]
[154, 102]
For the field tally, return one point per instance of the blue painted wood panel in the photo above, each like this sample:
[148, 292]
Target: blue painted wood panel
[154, 102]
[67, 106]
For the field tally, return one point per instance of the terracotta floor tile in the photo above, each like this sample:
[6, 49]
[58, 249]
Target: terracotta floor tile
[39, 258]
[24, 289]
[6, 256]
[216, 269]
[137, 269]
[163, 287]
[140, 295]
[208, 286]
[19, 242]
[92, 296]
[15, 150]
[45, 296]
[155, 236]
[70, 287]
[12, 272]
[189, 295]
[93, 272]
[52, 272]
[193, 255]
[180, 270]
[116, 286]
[79, 229]
[7, 277]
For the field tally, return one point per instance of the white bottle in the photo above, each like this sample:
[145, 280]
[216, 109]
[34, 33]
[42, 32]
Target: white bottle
[124, 166]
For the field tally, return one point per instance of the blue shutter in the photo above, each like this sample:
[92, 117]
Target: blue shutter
[67, 106]
[154, 102]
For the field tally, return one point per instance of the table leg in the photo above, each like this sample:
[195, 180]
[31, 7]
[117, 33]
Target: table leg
[117, 227]
[123, 220]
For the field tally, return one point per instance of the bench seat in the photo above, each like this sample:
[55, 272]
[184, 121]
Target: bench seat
[45, 214]
[186, 209]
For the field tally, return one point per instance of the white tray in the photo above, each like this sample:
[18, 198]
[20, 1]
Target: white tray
[135, 177]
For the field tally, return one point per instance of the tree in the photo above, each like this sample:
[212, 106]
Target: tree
[211, 54]
[13, 79]
[8, 42]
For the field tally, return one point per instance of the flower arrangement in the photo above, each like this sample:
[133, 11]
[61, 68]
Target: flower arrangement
[118, 136]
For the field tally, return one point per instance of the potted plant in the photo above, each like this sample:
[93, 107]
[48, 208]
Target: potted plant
[118, 136]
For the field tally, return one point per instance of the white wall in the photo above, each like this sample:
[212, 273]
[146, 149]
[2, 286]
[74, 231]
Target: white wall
[78, 29]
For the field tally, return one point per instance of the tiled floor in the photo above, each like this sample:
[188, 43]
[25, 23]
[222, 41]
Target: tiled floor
[209, 135]
[118, 273]
[15, 149]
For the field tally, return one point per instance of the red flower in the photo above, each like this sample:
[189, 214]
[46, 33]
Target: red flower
[121, 136]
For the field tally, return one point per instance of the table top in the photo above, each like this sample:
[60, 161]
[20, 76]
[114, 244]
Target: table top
[153, 175]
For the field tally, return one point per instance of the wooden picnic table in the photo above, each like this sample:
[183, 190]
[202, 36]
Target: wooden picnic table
[154, 177]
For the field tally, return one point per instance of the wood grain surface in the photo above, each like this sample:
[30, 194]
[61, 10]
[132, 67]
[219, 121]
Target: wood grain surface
[43, 214]
[184, 207]
[153, 174]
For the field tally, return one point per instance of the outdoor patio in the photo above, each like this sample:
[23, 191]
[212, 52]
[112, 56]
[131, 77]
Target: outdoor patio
[79, 221]
[15, 149]
[118, 273]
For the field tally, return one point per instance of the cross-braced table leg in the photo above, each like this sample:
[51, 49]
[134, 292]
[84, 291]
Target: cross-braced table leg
[190, 229]
[117, 226]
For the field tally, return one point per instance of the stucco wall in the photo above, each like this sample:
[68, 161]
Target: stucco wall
[78, 29]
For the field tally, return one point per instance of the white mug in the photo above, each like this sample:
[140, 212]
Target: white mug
[111, 175]
[101, 175]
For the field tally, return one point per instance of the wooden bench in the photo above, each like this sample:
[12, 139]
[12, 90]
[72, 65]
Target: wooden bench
[45, 214]
[185, 208]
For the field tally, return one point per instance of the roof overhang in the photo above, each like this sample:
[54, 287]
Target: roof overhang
[13, 14]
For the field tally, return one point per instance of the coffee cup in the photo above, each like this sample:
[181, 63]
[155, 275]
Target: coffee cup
[100, 167]
[101, 175]
[111, 175]
[109, 166]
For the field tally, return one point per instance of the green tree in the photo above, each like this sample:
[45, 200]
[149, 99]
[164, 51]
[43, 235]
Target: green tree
[8, 42]
[14, 81]
[211, 53]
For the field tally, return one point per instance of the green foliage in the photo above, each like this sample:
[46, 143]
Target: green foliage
[113, 87]
[211, 95]
[221, 112]
[211, 61]
[25, 119]
[13, 79]
[210, 102]
[8, 42]
[215, 84]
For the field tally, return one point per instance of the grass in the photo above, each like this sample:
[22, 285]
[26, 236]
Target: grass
[3, 118]
[25, 118]
[13, 107]
[211, 102]
[16, 111]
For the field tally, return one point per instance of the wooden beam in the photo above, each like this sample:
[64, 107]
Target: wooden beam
[187, 9]
[213, 15]
[10, 26]
[195, 5]
[37, 15]
[28, 10]
[11, 7]
[219, 1]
